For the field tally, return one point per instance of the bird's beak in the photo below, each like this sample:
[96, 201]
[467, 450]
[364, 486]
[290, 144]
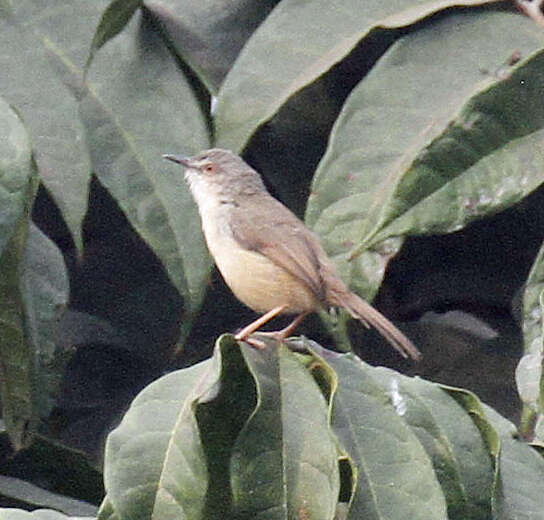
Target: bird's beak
[180, 159]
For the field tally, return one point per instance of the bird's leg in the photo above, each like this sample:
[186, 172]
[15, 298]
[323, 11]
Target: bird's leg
[256, 325]
[278, 335]
[533, 9]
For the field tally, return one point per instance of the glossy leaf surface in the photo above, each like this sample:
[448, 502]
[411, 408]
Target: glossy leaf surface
[401, 163]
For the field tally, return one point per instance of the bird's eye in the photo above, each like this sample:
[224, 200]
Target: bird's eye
[210, 168]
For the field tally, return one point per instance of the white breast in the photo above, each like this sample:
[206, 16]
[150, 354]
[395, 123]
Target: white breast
[254, 279]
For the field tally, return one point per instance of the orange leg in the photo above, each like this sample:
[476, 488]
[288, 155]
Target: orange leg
[257, 324]
[278, 335]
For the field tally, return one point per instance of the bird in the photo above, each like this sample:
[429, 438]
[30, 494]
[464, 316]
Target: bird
[270, 259]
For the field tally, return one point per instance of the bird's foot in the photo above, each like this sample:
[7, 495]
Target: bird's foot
[244, 334]
[277, 335]
[252, 341]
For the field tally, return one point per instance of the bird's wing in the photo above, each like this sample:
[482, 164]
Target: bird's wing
[284, 239]
[280, 236]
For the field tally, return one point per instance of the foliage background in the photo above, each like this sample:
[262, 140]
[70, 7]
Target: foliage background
[407, 134]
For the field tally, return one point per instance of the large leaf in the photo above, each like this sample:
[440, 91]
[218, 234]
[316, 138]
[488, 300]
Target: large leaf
[529, 371]
[15, 488]
[296, 475]
[209, 34]
[185, 424]
[66, 32]
[106, 511]
[48, 457]
[38, 514]
[112, 22]
[491, 424]
[34, 293]
[459, 453]
[425, 149]
[137, 107]
[171, 454]
[34, 285]
[519, 476]
[154, 460]
[382, 447]
[295, 45]
[519, 469]
[6, 8]
[44, 287]
[32, 41]
[519, 489]
[16, 367]
[15, 171]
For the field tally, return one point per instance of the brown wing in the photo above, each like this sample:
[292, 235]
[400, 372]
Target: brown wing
[279, 235]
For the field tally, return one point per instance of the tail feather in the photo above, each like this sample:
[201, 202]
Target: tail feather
[364, 312]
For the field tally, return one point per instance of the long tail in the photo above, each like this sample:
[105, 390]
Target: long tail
[363, 311]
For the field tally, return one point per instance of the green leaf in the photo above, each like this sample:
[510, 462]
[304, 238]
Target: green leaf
[15, 172]
[6, 8]
[296, 44]
[169, 456]
[209, 34]
[453, 442]
[285, 460]
[191, 434]
[16, 366]
[38, 514]
[45, 288]
[221, 414]
[154, 460]
[31, 83]
[529, 370]
[34, 292]
[106, 511]
[400, 162]
[48, 457]
[28, 493]
[137, 107]
[519, 475]
[519, 486]
[519, 469]
[33, 283]
[113, 21]
[65, 33]
[395, 476]
[484, 417]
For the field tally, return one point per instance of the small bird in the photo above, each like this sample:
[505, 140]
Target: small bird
[271, 261]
